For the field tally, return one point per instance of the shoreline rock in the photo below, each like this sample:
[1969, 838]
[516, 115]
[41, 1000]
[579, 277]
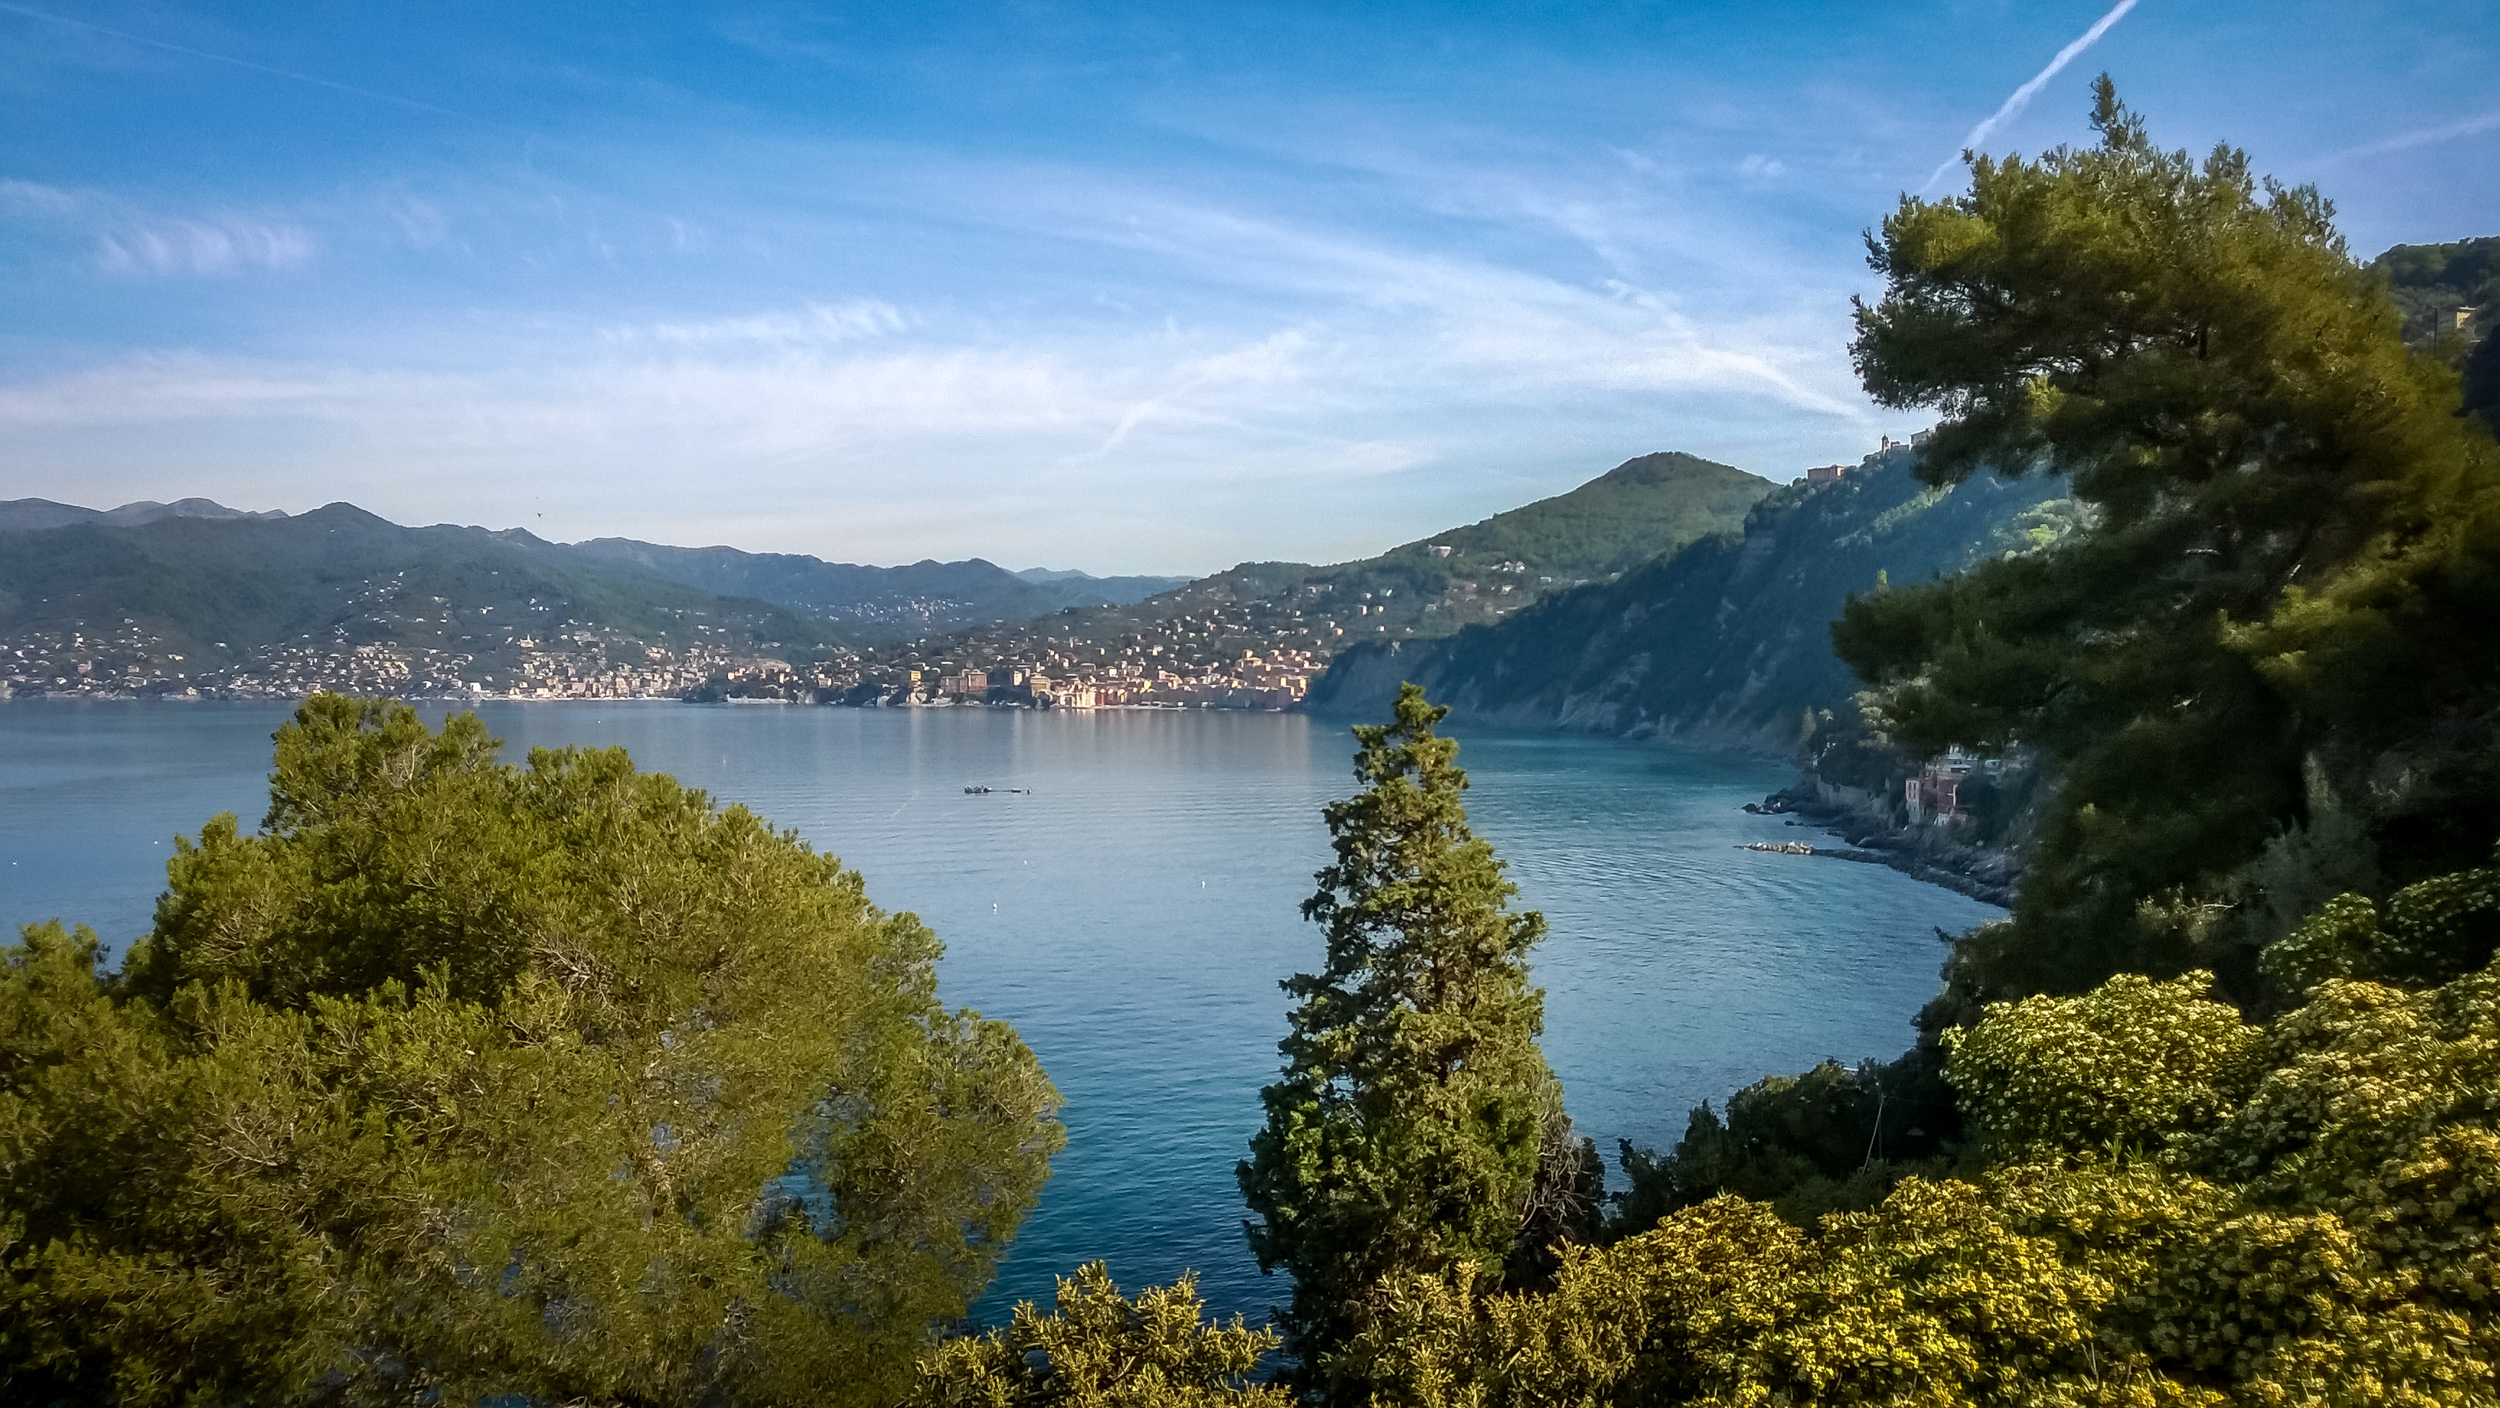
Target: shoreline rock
[1922, 853]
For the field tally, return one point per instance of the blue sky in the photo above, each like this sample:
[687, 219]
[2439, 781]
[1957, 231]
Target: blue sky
[1125, 287]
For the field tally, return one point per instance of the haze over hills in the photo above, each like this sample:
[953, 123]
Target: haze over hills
[34, 515]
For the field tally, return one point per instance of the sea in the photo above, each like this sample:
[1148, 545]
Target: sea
[1128, 895]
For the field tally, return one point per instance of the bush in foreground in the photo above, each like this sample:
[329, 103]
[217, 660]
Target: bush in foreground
[462, 1079]
[2183, 1208]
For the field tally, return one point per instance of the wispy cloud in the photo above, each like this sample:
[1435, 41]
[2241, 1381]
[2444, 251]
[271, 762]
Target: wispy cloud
[223, 245]
[818, 324]
[1315, 358]
[421, 222]
[129, 240]
[34, 198]
[2021, 98]
[2421, 137]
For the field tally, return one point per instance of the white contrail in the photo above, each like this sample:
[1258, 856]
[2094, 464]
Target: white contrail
[2423, 138]
[45, 15]
[2023, 95]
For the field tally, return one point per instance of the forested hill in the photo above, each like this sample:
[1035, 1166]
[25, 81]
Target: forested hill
[194, 601]
[1728, 638]
[1632, 513]
[2432, 285]
[1622, 518]
[870, 603]
[192, 594]
[30, 515]
[1430, 587]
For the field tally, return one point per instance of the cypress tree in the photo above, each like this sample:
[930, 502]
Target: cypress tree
[1416, 1125]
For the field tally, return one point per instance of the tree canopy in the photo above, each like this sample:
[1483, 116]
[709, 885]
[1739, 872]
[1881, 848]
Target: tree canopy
[462, 1079]
[1416, 1125]
[2171, 1206]
[2283, 604]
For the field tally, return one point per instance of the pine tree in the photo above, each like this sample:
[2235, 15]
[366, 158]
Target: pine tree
[462, 1082]
[1416, 1126]
[2289, 581]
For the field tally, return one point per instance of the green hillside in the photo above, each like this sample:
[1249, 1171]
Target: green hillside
[1421, 590]
[192, 601]
[1622, 518]
[1727, 638]
[867, 603]
[1433, 586]
[2432, 282]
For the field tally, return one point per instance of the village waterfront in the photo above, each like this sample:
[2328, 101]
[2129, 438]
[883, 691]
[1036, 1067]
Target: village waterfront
[1132, 908]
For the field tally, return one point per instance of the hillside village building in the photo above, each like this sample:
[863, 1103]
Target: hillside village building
[1933, 794]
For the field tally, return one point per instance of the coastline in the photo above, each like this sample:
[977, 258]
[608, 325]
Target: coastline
[1925, 853]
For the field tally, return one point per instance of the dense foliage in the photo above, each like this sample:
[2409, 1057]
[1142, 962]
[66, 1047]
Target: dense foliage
[1103, 1350]
[2164, 1204]
[2264, 674]
[1835, 1138]
[2176, 1208]
[463, 1079]
[1416, 1125]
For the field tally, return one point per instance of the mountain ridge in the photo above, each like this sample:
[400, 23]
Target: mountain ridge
[1726, 639]
[36, 515]
[1285, 618]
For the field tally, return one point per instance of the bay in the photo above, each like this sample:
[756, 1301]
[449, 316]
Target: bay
[1132, 911]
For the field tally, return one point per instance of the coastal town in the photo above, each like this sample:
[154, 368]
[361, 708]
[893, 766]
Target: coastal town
[128, 662]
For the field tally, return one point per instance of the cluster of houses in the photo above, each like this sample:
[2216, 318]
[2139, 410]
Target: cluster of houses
[590, 674]
[1933, 794]
[1276, 680]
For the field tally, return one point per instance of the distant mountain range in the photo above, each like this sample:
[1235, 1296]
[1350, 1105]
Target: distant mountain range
[869, 604]
[158, 597]
[1670, 593]
[35, 515]
[1728, 638]
[1419, 590]
[187, 597]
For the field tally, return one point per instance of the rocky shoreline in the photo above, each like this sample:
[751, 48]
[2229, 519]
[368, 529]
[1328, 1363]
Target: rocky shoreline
[1927, 853]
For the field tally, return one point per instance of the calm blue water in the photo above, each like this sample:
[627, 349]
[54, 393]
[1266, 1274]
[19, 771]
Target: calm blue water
[1133, 914]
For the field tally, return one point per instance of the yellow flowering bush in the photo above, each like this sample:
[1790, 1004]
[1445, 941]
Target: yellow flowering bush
[1103, 1350]
[2184, 1211]
[2188, 1210]
[2129, 1063]
[2429, 932]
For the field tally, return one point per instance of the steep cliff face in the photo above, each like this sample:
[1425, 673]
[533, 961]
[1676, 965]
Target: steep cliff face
[1727, 639]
